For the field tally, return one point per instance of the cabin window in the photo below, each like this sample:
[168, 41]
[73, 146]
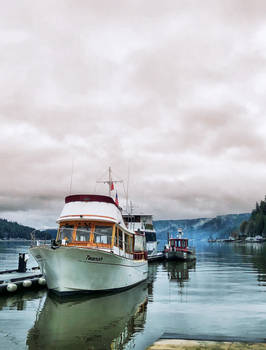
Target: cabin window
[126, 219]
[116, 242]
[150, 236]
[83, 233]
[137, 218]
[172, 243]
[103, 234]
[120, 238]
[65, 233]
[139, 244]
[116, 238]
[128, 243]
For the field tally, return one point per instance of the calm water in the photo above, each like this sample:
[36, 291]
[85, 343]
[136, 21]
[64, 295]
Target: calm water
[222, 294]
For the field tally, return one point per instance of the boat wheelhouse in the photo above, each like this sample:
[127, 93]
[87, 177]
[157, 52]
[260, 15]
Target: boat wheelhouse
[178, 249]
[142, 223]
[94, 250]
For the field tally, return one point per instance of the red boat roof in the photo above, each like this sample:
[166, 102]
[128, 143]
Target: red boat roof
[89, 198]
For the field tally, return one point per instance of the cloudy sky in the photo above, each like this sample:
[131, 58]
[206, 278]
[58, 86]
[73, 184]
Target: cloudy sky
[171, 92]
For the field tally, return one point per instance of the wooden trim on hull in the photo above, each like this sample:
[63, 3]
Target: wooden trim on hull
[100, 292]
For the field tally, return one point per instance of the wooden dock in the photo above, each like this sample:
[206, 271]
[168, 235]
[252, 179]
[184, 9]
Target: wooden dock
[22, 278]
[13, 281]
[182, 342]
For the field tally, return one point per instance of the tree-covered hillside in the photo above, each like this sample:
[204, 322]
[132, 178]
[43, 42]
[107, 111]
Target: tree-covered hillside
[201, 229]
[256, 223]
[12, 230]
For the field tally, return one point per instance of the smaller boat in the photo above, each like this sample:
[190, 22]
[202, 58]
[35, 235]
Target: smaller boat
[178, 249]
[143, 224]
[230, 239]
[256, 239]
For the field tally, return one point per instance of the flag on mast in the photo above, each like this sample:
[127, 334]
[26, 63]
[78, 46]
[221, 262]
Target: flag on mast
[112, 186]
[116, 199]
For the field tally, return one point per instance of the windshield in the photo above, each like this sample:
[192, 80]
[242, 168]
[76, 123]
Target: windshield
[103, 234]
[65, 233]
[83, 233]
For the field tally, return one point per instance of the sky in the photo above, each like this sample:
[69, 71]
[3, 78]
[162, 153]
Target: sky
[170, 94]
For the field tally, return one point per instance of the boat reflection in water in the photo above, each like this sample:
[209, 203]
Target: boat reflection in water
[179, 271]
[102, 322]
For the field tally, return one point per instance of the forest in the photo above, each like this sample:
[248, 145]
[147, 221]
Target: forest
[13, 230]
[256, 224]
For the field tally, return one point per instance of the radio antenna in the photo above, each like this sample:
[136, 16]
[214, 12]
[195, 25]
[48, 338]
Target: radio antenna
[128, 174]
[72, 170]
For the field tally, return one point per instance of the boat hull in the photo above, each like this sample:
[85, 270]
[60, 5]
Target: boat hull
[70, 270]
[180, 255]
[156, 257]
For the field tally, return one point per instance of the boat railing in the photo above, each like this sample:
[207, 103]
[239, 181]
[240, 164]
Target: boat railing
[126, 249]
[40, 242]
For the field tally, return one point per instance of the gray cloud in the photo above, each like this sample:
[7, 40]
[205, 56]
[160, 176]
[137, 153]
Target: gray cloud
[174, 91]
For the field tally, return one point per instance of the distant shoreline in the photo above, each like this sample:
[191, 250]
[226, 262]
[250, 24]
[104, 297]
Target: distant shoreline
[15, 240]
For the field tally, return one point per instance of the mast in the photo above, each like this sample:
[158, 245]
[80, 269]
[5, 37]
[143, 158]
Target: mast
[72, 169]
[127, 189]
[180, 233]
[110, 182]
[110, 179]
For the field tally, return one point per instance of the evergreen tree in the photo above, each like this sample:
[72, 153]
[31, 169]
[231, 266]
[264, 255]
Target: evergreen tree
[251, 228]
[243, 227]
[256, 224]
[9, 230]
[253, 214]
[263, 207]
[264, 228]
[259, 224]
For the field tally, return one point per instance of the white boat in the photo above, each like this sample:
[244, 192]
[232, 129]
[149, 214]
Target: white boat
[229, 239]
[256, 239]
[142, 223]
[94, 250]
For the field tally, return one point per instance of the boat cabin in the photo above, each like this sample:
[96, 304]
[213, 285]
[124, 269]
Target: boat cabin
[90, 221]
[139, 222]
[176, 244]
